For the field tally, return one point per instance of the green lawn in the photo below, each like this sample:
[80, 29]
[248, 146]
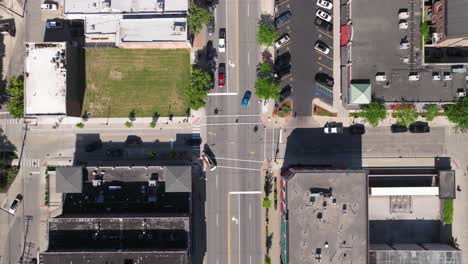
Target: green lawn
[145, 80]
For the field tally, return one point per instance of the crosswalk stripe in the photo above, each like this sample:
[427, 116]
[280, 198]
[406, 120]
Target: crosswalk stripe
[30, 163]
[9, 121]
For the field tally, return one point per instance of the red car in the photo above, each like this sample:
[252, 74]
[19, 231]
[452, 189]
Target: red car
[221, 74]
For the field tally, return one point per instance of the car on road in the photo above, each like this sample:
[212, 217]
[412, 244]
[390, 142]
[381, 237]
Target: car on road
[221, 74]
[323, 24]
[324, 79]
[419, 127]
[222, 40]
[283, 19]
[282, 41]
[54, 24]
[133, 140]
[93, 146]
[114, 152]
[209, 51]
[49, 6]
[208, 160]
[324, 4]
[14, 205]
[395, 128]
[210, 27]
[246, 99]
[357, 129]
[323, 15]
[285, 93]
[193, 141]
[333, 128]
[322, 48]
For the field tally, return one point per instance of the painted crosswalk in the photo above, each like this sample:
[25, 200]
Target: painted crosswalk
[9, 121]
[196, 130]
[30, 163]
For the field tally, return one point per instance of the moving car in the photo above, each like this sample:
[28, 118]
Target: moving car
[322, 48]
[210, 27]
[221, 74]
[15, 203]
[93, 146]
[398, 128]
[222, 40]
[324, 79]
[282, 41]
[54, 24]
[323, 24]
[209, 162]
[324, 4]
[419, 127]
[323, 15]
[49, 6]
[357, 129]
[285, 93]
[282, 19]
[246, 99]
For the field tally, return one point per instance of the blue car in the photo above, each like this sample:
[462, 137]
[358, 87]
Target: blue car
[245, 99]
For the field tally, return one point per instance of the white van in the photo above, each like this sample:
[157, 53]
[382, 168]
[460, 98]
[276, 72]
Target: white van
[413, 77]
[447, 76]
[403, 15]
[403, 25]
[436, 76]
[381, 77]
[404, 46]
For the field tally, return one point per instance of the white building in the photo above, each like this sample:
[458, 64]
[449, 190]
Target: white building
[45, 79]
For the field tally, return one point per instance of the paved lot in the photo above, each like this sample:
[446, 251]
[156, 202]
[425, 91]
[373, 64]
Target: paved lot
[376, 48]
[305, 60]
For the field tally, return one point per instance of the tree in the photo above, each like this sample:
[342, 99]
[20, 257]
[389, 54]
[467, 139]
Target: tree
[458, 114]
[267, 88]
[425, 32]
[80, 125]
[373, 113]
[432, 111]
[15, 90]
[267, 260]
[266, 34]
[153, 124]
[198, 16]
[129, 124]
[197, 91]
[405, 115]
[266, 202]
[265, 69]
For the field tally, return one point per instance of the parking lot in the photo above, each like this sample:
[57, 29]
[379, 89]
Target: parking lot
[383, 44]
[306, 61]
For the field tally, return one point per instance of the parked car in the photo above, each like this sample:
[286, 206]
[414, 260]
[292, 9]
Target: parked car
[279, 74]
[283, 19]
[193, 141]
[246, 99]
[114, 153]
[323, 24]
[323, 15]
[222, 40]
[212, 79]
[461, 92]
[403, 24]
[221, 74]
[321, 47]
[357, 129]
[209, 52]
[285, 93]
[208, 160]
[283, 60]
[93, 146]
[398, 128]
[403, 15]
[324, 4]
[14, 205]
[324, 79]
[49, 6]
[210, 27]
[419, 127]
[333, 128]
[54, 24]
[133, 140]
[282, 41]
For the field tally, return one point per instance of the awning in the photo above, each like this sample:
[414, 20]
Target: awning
[345, 35]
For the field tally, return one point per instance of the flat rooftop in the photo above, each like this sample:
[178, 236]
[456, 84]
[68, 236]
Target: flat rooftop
[164, 29]
[125, 6]
[331, 226]
[404, 207]
[457, 19]
[45, 82]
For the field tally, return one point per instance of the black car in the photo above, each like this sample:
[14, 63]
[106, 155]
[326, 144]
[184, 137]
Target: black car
[209, 51]
[94, 146]
[398, 128]
[212, 80]
[285, 92]
[357, 129]
[133, 140]
[419, 127]
[282, 19]
[114, 153]
[282, 62]
[324, 79]
[193, 141]
[210, 27]
[323, 24]
[280, 73]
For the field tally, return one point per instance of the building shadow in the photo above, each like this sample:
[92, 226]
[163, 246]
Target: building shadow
[7, 154]
[3, 93]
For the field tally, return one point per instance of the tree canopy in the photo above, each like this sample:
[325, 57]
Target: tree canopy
[458, 114]
[198, 16]
[405, 115]
[267, 88]
[15, 90]
[266, 34]
[373, 113]
[197, 91]
[432, 111]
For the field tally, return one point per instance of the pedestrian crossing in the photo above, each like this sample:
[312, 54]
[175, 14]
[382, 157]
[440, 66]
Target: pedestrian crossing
[9, 121]
[30, 163]
[196, 130]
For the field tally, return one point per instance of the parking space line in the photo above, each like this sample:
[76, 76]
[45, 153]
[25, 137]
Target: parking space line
[323, 55]
[326, 88]
[282, 3]
[283, 25]
[325, 66]
[286, 76]
[326, 34]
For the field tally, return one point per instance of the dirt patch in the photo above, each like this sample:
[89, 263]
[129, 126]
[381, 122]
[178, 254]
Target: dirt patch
[116, 75]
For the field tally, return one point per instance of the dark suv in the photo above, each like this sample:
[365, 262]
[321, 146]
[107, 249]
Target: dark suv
[282, 61]
[282, 19]
[419, 127]
[323, 24]
[324, 79]
[398, 128]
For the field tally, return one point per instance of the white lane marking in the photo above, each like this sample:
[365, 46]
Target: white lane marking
[237, 168]
[250, 211]
[219, 94]
[230, 124]
[216, 181]
[281, 135]
[231, 115]
[248, 58]
[217, 220]
[250, 258]
[248, 8]
[257, 161]
[245, 192]
[238, 206]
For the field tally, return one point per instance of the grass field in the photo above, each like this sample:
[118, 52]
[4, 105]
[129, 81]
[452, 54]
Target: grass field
[144, 80]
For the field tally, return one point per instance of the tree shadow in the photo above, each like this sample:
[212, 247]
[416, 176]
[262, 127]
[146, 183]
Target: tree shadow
[205, 58]
[266, 19]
